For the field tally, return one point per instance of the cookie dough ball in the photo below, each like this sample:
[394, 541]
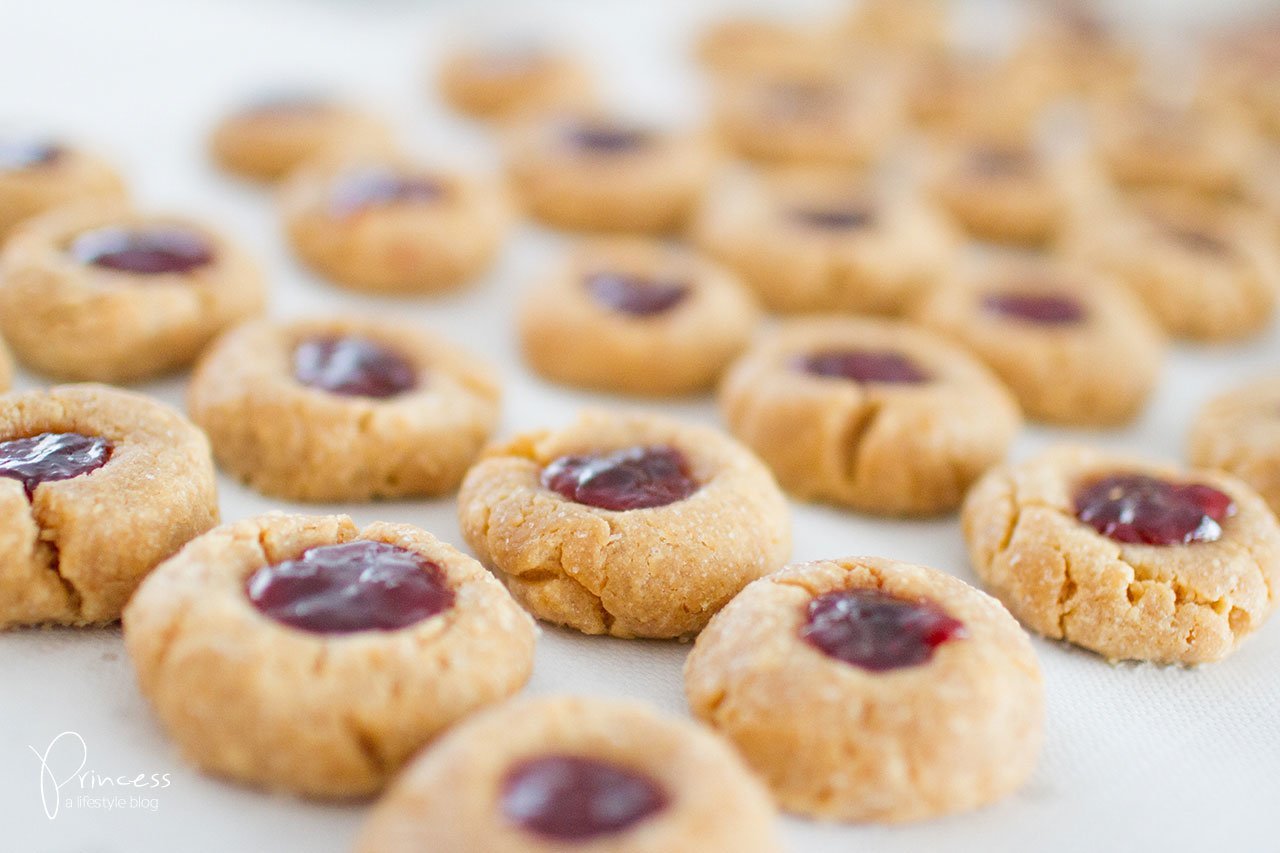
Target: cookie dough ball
[37, 175]
[389, 226]
[503, 81]
[304, 654]
[605, 174]
[638, 318]
[343, 409]
[105, 293]
[1073, 346]
[630, 525]
[97, 486]
[267, 139]
[1206, 271]
[822, 241]
[1131, 559]
[876, 415]
[567, 774]
[866, 689]
[1239, 432]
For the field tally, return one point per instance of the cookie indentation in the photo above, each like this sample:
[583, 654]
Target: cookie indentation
[352, 366]
[877, 631]
[632, 478]
[151, 250]
[863, 366]
[1140, 509]
[1043, 309]
[378, 186]
[605, 139]
[52, 456]
[634, 295]
[574, 798]
[848, 218]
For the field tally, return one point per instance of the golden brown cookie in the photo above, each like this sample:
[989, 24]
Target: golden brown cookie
[101, 292]
[865, 689]
[1239, 432]
[391, 226]
[503, 81]
[303, 654]
[1131, 559]
[595, 173]
[1072, 345]
[815, 240]
[6, 367]
[916, 26]
[97, 486]
[268, 138]
[637, 317]
[1077, 50]
[343, 409]
[630, 525]
[753, 45]
[39, 174]
[969, 95]
[1243, 68]
[569, 774]
[880, 416]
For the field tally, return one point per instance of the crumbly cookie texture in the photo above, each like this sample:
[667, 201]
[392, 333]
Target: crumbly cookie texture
[655, 572]
[321, 715]
[294, 441]
[73, 320]
[505, 82]
[570, 333]
[1171, 604]
[75, 550]
[441, 232]
[838, 741]
[1086, 351]
[814, 240]
[1239, 432]
[450, 799]
[883, 448]
[649, 185]
[69, 175]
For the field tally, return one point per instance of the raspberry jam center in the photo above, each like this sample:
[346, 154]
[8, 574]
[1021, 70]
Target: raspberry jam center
[1139, 509]
[352, 366]
[355, 586]
[52, 456]
[834, 218]
[605, 138]
[1043, 309]
[572, 798]
[877, 631]
[639, 297]
[633, 478]
[863, 366]
[379, 186]
[16, 154]
[147, 250]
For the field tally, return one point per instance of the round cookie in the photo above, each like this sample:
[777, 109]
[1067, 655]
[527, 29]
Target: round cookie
[821, 241]
[914, 26]
[303, 654]
[636, 317]
[390, 226]
[753, 45]
[1239, 432]
[1131, 559]
[952, 94]
[343, 409]
[596, 173]
[566, 774]
[1073, 346]
[1077, 51]
[503, 81]
[865, 689]
[1206, 271]
[630, 525]
[880, 416]
[97, 486]
[39, 174]
[100, 292]
[268, 138]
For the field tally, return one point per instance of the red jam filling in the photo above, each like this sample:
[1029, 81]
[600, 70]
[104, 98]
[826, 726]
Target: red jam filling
[632, 478]
[52, 456]
[639, 297]
[1139, 509]
[864, 366]
[877, 631]
[605, 138]
[352, 366]
[1043, 309]
[379, 186]
[573, 798]
[17, 154]
[146, 250]
[834, 218]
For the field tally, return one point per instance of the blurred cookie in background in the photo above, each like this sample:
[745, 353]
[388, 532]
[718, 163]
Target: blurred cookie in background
[503, 80]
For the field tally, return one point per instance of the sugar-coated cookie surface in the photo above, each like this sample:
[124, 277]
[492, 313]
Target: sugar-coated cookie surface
[37, 175]
[307, 655]
[866, 689]
[1239, 432]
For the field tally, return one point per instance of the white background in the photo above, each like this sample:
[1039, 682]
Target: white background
[1137, 757]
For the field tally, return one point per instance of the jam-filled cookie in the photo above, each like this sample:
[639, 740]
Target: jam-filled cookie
[866, 689]
[97, 487]
[596, 173]
[952, 93]
[304, 654]
[630, 525]
[1131, 559]
[270, 137]
[1239, 432]
[1072, 345]
[1206, 271]
[40, 174]
[503, 81]
[564, 774]
[105, 293]
[636, 317]
[760, 44]
[821, 241]
[876, 415]
[390, 226]
[343, 409]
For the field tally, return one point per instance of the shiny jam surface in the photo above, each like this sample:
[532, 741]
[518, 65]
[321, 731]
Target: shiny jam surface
[380, 186]
[1042, 309]
[146, 250]
[864, 366]
[631, 478]
[1140, 509]
[877, 631]
[352, 366]
[52, 456]
[639, 297]
[575, 798]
